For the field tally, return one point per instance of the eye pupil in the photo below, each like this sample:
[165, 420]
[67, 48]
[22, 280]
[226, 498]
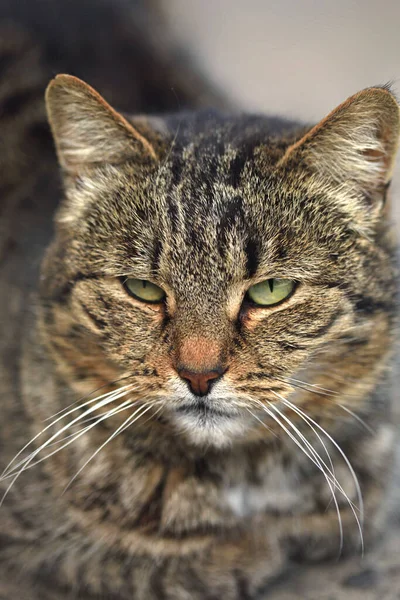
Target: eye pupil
[144, 290]
[270, 292]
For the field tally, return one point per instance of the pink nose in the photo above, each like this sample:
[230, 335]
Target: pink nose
[200, 383]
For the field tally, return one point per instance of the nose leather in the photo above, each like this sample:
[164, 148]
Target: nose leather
[200, 383]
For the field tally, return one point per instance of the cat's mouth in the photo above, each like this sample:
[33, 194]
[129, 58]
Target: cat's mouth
[204, 422]
[204, 409]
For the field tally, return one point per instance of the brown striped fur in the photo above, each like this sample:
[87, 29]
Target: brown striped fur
[208, 503]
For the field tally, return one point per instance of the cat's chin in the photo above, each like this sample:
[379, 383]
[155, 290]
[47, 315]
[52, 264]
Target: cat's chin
[211, 428]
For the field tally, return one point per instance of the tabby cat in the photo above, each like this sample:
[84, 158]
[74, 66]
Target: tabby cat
[203, 380]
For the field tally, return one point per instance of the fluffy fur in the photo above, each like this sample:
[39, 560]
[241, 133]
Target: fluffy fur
[146, 491]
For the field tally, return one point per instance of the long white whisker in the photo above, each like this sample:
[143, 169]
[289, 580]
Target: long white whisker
[129, 420]
[349, 466]
[259, 420]
[359, 419]
[105, 399]
[110, 383]
[329, 474]
[314, 457]
[325, 391]
[124, 406]
[80, 406]
[54, 436]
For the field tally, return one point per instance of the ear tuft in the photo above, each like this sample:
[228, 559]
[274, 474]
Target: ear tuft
[87, 130]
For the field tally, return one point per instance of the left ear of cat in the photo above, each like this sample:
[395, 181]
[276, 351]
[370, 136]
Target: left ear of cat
[87, 130]
[351, 153]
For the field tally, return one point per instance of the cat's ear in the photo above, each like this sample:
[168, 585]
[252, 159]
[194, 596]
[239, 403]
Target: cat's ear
[354, 147]
[87, 130]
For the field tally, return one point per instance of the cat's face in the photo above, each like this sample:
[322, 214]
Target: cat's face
[161, 241]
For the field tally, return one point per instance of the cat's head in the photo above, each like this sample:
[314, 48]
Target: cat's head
[213, 262]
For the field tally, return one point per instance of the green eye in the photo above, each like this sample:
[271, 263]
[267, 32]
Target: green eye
[144, 290]
[271, 291]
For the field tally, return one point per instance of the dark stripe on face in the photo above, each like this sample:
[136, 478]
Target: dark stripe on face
[291, 346]
[369, 306]
[237, 165]
[259, 389]
[252, 251]
[100, 324]
[173, 214]
[320, 331]
[233, 214]
[63, 294]
[155, 265]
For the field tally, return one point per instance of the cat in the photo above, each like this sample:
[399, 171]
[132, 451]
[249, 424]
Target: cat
[200, 389]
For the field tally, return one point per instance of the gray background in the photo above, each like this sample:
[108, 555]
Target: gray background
[298, 59]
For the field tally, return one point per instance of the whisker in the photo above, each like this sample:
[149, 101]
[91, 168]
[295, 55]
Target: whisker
[303, 385]
[27, 463]
[90, 394]
[105, 399]
[308, 445]
[357, 418]
[124, 406]
[332, 393]
[127, 423]
[262, 423]
[348, 463]
[314, 457]
[53, 437]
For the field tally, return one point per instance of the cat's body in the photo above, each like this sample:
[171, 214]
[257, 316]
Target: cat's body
[187, 502]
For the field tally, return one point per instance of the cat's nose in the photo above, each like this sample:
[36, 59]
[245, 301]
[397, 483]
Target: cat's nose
[200, 383]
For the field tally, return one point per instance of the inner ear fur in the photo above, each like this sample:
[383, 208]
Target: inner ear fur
[87, 130]
[355, 143]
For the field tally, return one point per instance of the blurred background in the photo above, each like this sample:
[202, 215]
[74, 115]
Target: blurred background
[298, 59]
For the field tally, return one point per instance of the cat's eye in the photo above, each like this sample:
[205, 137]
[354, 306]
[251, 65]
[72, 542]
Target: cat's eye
[144, 290]
[271, 291]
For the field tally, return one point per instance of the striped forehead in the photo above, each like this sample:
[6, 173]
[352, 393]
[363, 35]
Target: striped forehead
[205, 221]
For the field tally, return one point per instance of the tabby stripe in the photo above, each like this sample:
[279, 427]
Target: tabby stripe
[66, 290]
[177, 167]
[242, 586]
[233, 211]
[369, 306]
[100, 324]
[198, 586]
[323, 329]
[291, 346]
[151, 510]
[238, 164]
[249, 388]
[173, 214]
[157, 585]
[252, 251]
[155, 265]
